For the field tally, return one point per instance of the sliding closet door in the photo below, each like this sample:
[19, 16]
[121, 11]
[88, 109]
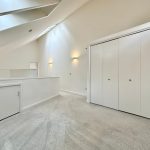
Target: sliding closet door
[110, 74]
[129, 74]
[96, 75]
[145, 74]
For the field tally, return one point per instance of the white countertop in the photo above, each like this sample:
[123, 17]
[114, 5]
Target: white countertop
[9, 84]
[9, 79]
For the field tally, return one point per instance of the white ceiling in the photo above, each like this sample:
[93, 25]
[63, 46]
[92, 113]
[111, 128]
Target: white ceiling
[9, 6]
[18, 18]
[18, 36]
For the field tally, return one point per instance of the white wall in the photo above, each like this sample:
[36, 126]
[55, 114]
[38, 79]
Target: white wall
[60, 47]
[21, 57]
[18, 58]
[94, 20]
[35, 90]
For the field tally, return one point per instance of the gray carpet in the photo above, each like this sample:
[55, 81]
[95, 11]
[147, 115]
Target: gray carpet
[69, 123]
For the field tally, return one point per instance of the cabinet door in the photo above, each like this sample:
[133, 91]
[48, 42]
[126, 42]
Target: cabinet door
[145, 74]
[110, 74]
[9, 101]
[96, 75]
[129, 74]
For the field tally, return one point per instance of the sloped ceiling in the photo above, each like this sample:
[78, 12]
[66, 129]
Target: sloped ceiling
[15, 12]
[18, 36]
[14, 6]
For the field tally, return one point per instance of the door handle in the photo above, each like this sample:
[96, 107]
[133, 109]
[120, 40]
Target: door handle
[18, 93]
[130, 80]
[109, 79]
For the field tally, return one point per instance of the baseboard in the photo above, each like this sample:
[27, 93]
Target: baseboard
[88, 101]
[76, 93]
[39, 102]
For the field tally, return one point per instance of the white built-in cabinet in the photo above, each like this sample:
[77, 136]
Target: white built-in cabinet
[120, 73]
[110, 74]
[9, 100]
[129, 74]
[145, 74]
[104, 74]
[96, 75]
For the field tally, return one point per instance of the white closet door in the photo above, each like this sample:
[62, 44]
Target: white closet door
[110, 74]
[96, 75]
[9, 101]
[145, 74]
[129, 74]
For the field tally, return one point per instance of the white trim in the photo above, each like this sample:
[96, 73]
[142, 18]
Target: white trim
[125, 33]
[89, 77]
[20, 102]
[9, 85]
[38, 103]
[11, 79]
[72, 92]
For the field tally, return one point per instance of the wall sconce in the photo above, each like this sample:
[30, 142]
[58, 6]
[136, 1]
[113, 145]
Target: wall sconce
[75, 60]
[50, 63]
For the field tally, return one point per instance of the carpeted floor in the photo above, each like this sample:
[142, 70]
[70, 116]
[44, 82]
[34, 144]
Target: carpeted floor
[67, 122]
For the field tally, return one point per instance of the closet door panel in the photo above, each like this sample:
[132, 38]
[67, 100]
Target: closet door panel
[110, 74]
[145, 74]
[9, 101]
[129, 74]
[96, 75]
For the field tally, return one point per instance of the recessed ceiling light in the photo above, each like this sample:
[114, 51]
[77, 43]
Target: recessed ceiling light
[30, 30]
